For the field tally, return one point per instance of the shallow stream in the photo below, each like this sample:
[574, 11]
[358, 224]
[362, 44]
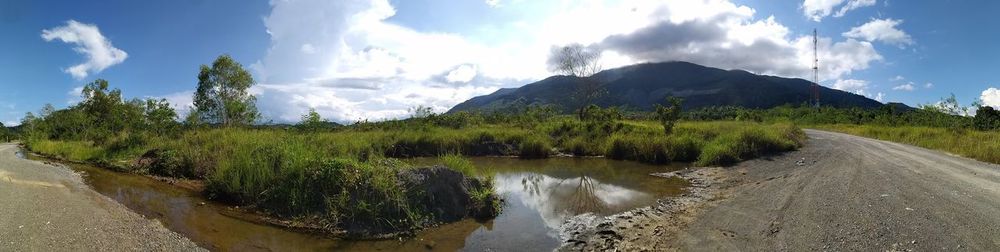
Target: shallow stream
[540, 195]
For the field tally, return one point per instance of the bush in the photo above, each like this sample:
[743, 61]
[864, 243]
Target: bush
[643, 149]
[166, 163]
[683, 148]
[749, 143]
[534, 148]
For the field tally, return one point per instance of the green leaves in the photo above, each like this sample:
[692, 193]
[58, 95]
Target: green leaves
[669, 115]
[222, 96]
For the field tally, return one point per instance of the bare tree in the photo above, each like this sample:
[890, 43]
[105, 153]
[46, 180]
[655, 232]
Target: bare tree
[582, 62]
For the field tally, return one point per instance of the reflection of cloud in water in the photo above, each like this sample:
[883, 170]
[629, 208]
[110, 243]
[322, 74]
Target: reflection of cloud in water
[557, 199]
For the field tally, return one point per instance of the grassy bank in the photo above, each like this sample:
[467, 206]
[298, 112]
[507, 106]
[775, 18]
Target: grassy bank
[349, 177]
[980, 145]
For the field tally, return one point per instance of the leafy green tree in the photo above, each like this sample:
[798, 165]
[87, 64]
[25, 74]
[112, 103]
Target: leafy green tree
[4, 133]
[29, 127]
[987, 118]
[223, 94]
[311, 121]
[668, 115]
[160, 117]
[104, 109]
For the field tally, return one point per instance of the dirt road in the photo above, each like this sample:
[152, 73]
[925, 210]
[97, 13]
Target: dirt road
[842, 192]
[48, 208]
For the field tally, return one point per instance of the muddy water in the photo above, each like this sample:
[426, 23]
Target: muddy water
[540, 195]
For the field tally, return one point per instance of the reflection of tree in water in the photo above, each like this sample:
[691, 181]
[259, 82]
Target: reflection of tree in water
[567, 195]
[584, 198]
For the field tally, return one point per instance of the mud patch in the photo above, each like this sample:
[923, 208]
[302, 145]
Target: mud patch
[646, 228]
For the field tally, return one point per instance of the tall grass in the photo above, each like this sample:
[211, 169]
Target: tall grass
[705, 143]
[980, 145]
[349, 178]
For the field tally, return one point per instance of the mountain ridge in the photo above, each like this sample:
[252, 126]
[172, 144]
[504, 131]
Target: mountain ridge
[640, 86]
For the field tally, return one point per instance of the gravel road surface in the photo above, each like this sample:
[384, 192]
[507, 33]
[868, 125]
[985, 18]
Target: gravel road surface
[47, 207]
[849, 193]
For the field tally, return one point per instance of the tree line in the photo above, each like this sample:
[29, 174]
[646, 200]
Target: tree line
[104, 115]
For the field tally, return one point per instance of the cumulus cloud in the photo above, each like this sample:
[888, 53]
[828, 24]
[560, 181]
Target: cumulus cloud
[851, 85]
[882, 30]
[88, 41]
[928, 85]
[859, 87]
[733, 39]
[897, 78]
[816, 10]
[991, 97]
[345, 60]
[905, 87]
[461, 74]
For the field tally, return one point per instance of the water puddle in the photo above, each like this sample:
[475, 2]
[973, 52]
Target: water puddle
[540, 194]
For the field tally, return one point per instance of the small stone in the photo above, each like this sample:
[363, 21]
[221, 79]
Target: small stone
[913, 242]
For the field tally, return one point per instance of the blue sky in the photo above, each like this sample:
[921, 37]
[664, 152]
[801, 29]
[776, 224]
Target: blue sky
[373, 59]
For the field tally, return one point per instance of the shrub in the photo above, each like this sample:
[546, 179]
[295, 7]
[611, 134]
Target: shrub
[683, 148]
[534, 147]
[643, 149]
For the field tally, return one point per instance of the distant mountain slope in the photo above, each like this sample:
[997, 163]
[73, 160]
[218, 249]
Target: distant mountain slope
[640, 86]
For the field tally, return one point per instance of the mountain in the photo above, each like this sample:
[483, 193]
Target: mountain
[640, 86]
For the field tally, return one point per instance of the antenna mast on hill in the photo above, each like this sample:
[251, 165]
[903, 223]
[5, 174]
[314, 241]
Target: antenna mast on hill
[815, 87]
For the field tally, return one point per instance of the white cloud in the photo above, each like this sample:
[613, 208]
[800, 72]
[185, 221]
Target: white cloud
[851, 85]
[928, 85]
[897, 78]
[816, 10]
[493, 3]
[880, 97]
[991, 97]
[859, 87]
[731, 38]
[854, 4]
[75, 95]
[461, 74]
[358, 65]
[89, 42]
[182, 102]
[905, 87]
[882, 30]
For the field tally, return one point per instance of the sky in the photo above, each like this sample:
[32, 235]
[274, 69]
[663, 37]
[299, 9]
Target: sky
[374, 59]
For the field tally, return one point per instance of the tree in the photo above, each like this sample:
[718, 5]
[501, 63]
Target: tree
[160, 117]
[311, 121]
[103, 108]
[668, 115]
[986, 118]
[4, 133]
[223, 94]
[581, 62]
